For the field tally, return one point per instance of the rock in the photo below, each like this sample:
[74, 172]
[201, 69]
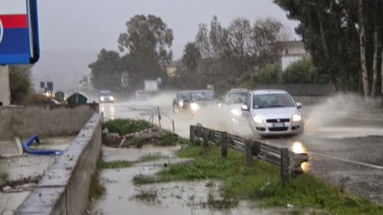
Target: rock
[112, 139]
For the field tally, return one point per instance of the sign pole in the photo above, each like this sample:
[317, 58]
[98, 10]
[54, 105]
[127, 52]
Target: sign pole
[5, 91]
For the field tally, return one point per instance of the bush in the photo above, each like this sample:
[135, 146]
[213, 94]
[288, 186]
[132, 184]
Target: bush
[20, 83]
[303, 72]
[126, 126]
[270, 74]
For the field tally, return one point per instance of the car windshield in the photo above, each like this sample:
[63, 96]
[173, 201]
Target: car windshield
[105, 93]
[236, 98]
[272, 101]
[202, 96]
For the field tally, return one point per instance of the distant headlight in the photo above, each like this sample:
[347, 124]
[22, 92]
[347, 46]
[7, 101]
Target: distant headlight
[102, 98]
[111, 98]
[194, 106]
[181, 103]
[297, 117]
[258, 119]
[236, 112]
[219, 104]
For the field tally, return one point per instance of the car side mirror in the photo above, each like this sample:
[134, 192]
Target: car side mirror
[299, 105]
[244, 108]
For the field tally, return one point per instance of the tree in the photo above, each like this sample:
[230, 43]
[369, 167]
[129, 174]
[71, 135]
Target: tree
[106, 70]
[344, 39]
[20, 83]
[229, 53]
[147, 42]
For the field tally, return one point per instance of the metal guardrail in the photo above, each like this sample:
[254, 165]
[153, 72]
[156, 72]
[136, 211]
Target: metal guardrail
[290, 163]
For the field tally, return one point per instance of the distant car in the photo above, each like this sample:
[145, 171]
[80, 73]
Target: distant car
[105, 96]
[273, 112]
[233, 101]
[193, 100]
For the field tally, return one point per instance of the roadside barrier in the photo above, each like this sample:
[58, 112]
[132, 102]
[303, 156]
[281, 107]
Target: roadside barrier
[290, 163]
[156, 113]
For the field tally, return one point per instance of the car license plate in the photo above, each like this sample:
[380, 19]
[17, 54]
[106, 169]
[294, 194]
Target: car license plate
[278, 125]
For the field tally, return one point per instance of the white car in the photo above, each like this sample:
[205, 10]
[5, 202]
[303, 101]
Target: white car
[105, 96]
[273, 112]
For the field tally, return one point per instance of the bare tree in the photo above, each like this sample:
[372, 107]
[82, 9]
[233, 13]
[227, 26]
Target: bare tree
[362, 46]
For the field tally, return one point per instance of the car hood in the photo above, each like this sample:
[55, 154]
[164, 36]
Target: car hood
[276, 113]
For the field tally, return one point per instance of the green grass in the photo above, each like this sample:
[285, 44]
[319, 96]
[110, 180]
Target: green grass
[260, 181]
[113, 164]
[126, 126]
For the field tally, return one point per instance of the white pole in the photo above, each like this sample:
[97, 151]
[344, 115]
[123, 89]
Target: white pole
[5, 91]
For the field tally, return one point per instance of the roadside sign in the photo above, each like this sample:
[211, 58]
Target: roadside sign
[19, 42]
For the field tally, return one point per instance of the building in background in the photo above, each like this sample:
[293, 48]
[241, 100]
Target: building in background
[291, 52]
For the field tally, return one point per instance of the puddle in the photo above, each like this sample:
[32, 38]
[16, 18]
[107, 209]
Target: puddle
[163, 198]
[123, 196]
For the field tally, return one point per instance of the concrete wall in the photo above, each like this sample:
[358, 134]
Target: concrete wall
[5, 94]
[64, 189]
[43, 120]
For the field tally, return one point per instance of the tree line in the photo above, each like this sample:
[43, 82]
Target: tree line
[345, 40]
[223, 56]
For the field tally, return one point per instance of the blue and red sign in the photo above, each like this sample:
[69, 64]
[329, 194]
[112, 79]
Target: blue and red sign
[18, 32]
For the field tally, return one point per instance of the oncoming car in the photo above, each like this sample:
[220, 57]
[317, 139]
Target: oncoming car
[105, 96]
[193, 100]
[233, 101]
[273, 112]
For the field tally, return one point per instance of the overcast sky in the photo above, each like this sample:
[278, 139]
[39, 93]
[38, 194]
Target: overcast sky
[86, 26]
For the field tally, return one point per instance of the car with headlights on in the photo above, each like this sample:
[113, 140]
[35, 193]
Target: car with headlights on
[273, 112]
[192, 101]
[105, 96]
[233, 101]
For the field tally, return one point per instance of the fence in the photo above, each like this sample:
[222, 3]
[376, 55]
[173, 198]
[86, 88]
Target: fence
[289, 162]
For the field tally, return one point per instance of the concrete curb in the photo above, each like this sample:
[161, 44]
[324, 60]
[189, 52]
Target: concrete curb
[64, 188]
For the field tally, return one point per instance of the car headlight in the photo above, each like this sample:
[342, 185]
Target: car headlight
[102, 98]
[258, 119]
[297, 117]
[111, 98]
[181, 103]
[236, 112]
[194, 106]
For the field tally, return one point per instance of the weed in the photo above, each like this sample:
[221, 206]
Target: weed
[113, 164]
[97, 189]
[144, 179]
[152, 157]
[150, 196]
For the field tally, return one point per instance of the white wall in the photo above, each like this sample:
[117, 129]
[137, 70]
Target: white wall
[288, 60]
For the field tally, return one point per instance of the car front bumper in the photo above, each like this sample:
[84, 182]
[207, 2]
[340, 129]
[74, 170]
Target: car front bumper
[270, 129]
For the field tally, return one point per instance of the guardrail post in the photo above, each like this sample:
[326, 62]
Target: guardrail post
[224, 145]
[285, 173]
[249, 152]
[192, 133]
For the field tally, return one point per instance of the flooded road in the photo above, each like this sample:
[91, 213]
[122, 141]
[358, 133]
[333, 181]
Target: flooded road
[343, 137]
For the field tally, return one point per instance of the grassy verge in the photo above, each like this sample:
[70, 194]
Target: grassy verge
[260, 181]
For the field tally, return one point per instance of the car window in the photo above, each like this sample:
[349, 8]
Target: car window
[272, 101]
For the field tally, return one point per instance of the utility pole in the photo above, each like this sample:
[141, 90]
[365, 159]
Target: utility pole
[5, 91]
